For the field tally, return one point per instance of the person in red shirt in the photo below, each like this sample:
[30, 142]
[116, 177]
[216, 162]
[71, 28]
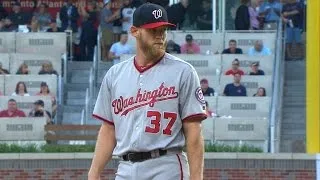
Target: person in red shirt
[235, 68]
[12, 110]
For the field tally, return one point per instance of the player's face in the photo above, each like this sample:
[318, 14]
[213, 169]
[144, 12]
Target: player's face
[153, 41]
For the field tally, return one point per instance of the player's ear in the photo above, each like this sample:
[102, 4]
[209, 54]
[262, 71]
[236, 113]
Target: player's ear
[135, 31]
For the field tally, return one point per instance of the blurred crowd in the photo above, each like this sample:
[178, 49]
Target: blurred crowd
[84, 20]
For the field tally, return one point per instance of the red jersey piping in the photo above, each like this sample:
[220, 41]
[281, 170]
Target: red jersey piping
[103, 119]
[198, 117]
[142, 69]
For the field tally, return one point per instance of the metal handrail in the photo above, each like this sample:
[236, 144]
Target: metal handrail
[91, 83]
[87, 106]
[276, 100]
[83, 116]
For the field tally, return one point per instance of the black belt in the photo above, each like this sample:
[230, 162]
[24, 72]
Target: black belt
[142, 156]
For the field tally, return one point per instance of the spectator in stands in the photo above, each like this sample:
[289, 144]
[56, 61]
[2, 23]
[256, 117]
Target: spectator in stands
[43, 17]
[3, 12]
[18, 17]
[106, 24]
[45, 91]
[173, 47]
[126, 15]
[23, 69]
[119, 48]
[54, 27]
[292, 16]
[47, 68]
[206, 90]
[69, 16]
[255, 69]
[204, 20]
[21, 90]
[12, 110]
[271, 12]
[254, 15]
[259, 50]
[34, 26]
[235, 68]
[3, 71]
[176, 13]
[260, 92]
[235, 88]
[88, 38]
[8, 26]
[242, 20]
[190, 47]
[232, 48]
[39, 111]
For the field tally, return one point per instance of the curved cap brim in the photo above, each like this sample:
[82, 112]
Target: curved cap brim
[156, 24]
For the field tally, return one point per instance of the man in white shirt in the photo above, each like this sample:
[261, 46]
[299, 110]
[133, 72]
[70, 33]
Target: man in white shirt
[119, 48]
[127, 15]
[259, 50]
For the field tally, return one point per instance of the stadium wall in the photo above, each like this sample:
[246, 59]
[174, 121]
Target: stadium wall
[229, 166]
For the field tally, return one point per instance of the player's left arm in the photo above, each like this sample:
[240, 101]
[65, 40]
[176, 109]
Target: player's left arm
[192, 113]
[195, 148]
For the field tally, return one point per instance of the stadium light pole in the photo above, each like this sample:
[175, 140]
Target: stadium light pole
[313, 77]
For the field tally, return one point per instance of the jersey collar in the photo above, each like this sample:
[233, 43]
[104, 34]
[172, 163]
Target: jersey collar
[142, 69]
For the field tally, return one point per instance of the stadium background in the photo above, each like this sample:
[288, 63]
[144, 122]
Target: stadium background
[73, 124]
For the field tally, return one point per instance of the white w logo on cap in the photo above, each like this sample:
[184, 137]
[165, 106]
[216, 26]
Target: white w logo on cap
[157, 13]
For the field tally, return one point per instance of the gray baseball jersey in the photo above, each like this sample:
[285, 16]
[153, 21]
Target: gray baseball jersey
[147, 106]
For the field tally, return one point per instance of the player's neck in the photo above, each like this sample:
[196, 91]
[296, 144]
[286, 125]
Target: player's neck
[143, 59]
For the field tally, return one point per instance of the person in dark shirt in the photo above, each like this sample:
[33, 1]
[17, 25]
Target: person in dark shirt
[3, 12]
[242, 20]
[235, 88]
[255, 69]
[176, 14]
[173, 48]
[292, 13]
[206, 90]
[69, 16]
[39, 111]
[204, 20]
[18, 17]
[54, 27]
[47, 68]
[232, 48]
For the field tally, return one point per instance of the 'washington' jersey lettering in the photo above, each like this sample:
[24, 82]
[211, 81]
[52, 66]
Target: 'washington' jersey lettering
[148, 106]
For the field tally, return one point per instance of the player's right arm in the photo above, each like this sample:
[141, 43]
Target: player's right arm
[106, 141]
[103, 152]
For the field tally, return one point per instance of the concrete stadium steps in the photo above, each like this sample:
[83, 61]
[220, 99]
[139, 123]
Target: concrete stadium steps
[293, 123]
[75, 91]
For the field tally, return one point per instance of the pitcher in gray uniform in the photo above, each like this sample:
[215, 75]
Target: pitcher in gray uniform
[151, 106]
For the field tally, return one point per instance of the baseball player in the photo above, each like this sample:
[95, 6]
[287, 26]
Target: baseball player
[151, 106]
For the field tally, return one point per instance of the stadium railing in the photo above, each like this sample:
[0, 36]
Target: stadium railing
[278, 82]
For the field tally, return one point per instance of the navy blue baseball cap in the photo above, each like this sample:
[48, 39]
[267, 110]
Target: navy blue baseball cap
[150, 16]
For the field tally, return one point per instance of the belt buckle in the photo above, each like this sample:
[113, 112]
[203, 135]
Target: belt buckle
[130, 156]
